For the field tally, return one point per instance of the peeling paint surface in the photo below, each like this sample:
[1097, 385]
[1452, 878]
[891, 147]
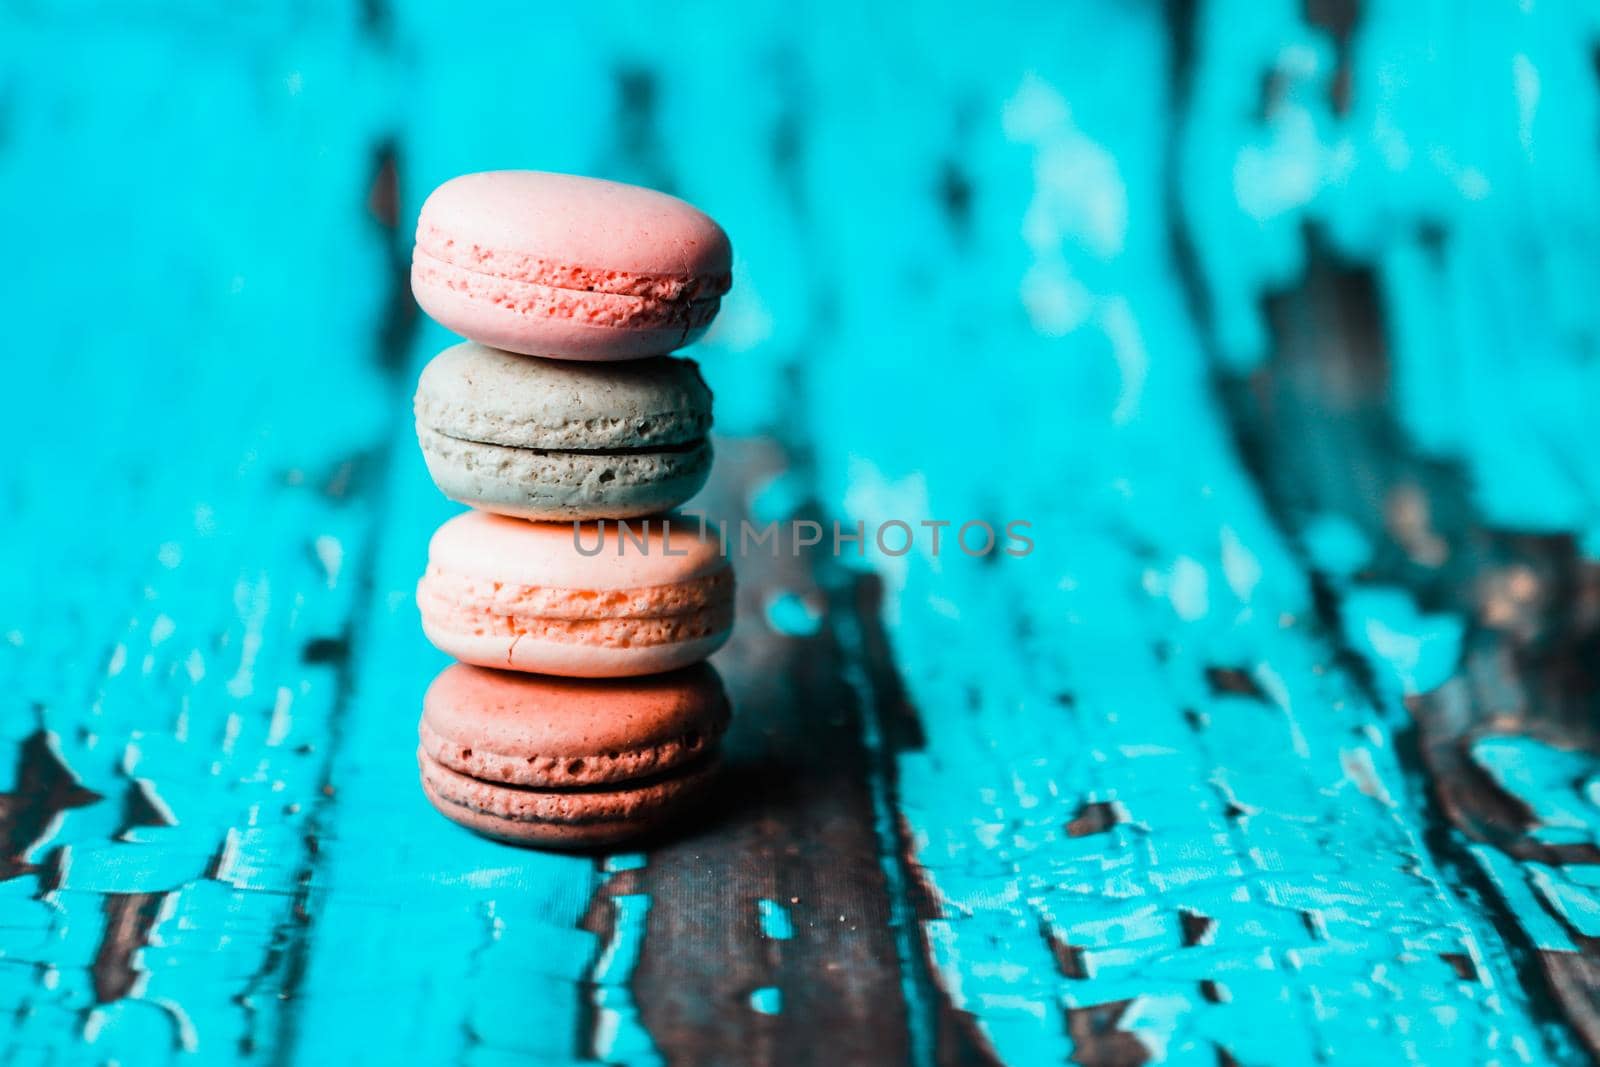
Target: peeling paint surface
[1490, 323]
[775, 921]
[175, 630]
[1411, 651]
[766, 1000]
[1560, 791]
[1151, 793]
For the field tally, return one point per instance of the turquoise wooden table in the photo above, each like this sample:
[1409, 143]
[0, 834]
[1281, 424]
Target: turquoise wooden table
[1278, 323]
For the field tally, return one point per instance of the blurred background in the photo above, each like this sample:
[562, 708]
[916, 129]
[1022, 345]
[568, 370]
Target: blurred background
[1279, 321]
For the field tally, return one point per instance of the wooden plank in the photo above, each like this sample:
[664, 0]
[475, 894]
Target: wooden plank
[473, 951]
[508, 954]
[192, 399]
[692, 923]
[1415, 427]
[773, 923]
[693, 917]
[1320, 427]
[1153, 814]
[1124, 798]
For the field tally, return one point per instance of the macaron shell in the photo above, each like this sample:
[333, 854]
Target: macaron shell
[540, 731]
[556, 819]
[670, 549]
[541, 485]
[524, 223]
[474, 393]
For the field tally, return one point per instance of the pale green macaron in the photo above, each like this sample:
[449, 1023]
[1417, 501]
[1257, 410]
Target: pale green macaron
[557, 439]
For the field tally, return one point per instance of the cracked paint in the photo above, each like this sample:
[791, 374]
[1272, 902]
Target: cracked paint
[1412, 652]
[1491, 326]
[1148, 806]
[1560, 789]
[161, 675]
[619, 1036]
[775, 921]
[767, 1000]
[1268, 896]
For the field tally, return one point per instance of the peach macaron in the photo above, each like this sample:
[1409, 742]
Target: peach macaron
[567, 762]
[568, 267]
[581, 600]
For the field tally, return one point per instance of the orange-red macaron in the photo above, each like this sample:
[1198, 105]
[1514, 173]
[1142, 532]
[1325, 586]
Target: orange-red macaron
[565, 762]
[596, 600]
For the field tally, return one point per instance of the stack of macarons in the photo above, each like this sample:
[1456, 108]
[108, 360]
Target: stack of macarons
[580, 712]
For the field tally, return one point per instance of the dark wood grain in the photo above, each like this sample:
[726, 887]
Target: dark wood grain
[791, 821]
[950, 1037]
[44, 789]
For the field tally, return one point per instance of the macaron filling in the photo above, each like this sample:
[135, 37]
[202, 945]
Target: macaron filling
[674, 448]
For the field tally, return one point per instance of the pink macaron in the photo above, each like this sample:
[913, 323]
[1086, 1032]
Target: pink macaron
[568, 267]
[582, 600]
